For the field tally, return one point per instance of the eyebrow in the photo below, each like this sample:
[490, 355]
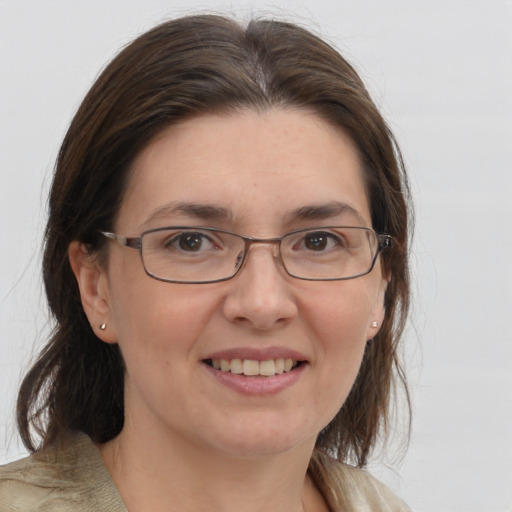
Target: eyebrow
[200, 211]
[324, 211]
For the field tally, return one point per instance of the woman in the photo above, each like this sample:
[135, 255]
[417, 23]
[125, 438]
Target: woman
[226, 261]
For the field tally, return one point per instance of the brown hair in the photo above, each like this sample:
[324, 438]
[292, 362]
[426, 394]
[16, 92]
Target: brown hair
[182, 68]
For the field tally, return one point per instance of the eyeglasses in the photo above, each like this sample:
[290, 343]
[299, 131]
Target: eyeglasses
[179, 254]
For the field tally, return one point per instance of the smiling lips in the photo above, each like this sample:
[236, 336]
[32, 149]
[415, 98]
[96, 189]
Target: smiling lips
[257, 372]
[254, 367]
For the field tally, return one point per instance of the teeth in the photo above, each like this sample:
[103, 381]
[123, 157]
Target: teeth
[252, 367]
[267, 367]
[236, 366]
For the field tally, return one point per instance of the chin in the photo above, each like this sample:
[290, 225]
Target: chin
[261, 439]
[251, 449]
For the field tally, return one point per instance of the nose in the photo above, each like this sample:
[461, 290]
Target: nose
[260, 296]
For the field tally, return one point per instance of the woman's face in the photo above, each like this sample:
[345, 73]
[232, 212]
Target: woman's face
[259, 175]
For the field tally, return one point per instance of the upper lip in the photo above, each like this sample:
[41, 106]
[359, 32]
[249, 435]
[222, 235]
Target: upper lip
[257, 354]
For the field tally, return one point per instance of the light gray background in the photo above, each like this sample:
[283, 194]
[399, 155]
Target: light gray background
[441, 71]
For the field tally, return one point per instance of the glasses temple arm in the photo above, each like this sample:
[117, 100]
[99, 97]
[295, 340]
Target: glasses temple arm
[132, 243]
[385, 241]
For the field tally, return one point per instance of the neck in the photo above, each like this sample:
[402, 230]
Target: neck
[151, 472]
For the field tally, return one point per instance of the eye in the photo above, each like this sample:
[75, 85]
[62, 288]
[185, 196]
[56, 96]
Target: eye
[319, 241]
[190, 242]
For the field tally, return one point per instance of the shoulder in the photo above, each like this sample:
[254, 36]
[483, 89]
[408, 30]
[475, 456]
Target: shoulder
[68, 475]
[352, 489]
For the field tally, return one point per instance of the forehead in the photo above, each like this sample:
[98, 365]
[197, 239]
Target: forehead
[257, 168]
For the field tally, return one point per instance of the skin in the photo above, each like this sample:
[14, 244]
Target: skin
[188, 439]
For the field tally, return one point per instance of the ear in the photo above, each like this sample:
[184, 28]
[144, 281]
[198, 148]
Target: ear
[378, 311]
[92, 282]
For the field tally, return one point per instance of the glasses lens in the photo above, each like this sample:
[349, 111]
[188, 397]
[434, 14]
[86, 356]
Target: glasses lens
[329, 253]
[191, 255]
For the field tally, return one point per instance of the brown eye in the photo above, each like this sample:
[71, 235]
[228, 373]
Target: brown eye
[316, 241]
[190, 241]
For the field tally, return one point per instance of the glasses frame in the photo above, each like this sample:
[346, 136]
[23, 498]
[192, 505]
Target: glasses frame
[384, 241]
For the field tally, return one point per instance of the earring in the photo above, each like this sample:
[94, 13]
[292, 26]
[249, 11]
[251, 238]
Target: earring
[103, 326]
[374, 324]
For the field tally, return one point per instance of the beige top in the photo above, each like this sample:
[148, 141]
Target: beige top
[71, 477]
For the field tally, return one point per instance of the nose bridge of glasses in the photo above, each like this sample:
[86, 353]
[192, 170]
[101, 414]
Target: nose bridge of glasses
[271, 243]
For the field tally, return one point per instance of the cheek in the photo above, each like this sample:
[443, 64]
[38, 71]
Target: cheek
[338, 319]
[340, 314]
[156, 320]
[158, 333]
[342, 342]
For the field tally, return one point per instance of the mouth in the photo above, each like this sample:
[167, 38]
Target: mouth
[253, 367]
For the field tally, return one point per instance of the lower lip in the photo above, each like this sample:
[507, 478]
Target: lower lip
[257, 385]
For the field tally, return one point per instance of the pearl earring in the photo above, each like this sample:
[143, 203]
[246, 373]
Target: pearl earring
[103, 326]
[375, 324]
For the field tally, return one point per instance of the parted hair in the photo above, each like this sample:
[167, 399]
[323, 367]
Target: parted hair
[182, 68]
